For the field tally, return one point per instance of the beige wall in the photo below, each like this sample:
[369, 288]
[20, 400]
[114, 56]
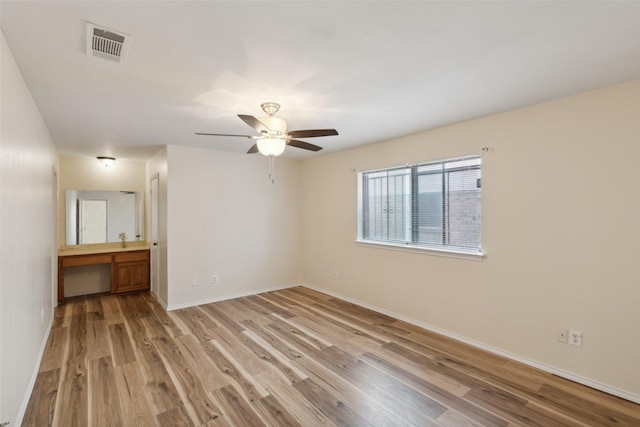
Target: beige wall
[225, 217]
[27, 238]
[561, 226]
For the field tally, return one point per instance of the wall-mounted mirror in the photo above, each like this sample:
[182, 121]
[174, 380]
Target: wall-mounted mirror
[100, 216]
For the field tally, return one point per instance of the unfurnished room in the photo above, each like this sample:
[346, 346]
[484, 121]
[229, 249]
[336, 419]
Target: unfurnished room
[319, 213]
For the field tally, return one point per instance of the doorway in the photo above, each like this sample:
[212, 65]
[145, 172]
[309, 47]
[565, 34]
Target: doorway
[93, 221]
[155, 249]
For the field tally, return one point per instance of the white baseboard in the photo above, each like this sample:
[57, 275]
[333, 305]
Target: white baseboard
[34, 375]
[157, 298]
[539, 365]
[227, 297]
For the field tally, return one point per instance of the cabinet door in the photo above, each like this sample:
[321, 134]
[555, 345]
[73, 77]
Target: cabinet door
[132, 276]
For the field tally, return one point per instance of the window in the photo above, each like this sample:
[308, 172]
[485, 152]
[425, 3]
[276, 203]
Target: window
[430, 206]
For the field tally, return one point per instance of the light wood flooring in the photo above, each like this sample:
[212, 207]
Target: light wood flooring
[293, 357]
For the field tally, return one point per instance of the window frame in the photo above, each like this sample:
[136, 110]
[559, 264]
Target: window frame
[439, 250]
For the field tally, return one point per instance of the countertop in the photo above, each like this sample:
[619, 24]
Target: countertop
[101, 248]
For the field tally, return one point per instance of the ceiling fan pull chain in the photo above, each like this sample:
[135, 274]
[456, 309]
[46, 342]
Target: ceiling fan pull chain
[272, 161]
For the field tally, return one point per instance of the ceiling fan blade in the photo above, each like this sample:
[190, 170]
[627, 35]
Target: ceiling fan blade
[254, 123]
[253, 149]
[311, 133]
[222, 134]
[304, 145]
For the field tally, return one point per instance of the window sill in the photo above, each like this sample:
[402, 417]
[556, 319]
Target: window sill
[421, 250]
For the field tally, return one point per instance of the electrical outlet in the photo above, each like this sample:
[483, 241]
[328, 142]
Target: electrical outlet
[335, 275]
[562, 335]
[214, 279]
[194, 281]
[575, 338]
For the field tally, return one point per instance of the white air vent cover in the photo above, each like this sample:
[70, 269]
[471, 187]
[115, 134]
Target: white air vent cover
[107, 44]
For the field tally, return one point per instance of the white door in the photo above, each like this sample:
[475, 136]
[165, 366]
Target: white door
[93, 221]
[155, 250]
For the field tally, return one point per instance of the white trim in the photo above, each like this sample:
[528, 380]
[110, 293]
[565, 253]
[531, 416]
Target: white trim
[228, 297]
[539, 365]
[449, 253]
[34, 376]
[157, 298]
[423, 163]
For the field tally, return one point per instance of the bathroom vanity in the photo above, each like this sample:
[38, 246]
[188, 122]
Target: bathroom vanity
[129, 265]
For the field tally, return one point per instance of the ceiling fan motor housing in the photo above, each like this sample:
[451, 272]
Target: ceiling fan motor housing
[276, 125]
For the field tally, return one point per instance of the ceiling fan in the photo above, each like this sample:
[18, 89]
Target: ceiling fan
[273, 135]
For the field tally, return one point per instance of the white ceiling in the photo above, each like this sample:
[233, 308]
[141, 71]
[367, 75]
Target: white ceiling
[371, 70]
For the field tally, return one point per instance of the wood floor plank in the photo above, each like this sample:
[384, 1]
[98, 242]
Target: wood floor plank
[175, 417]
[294, 357]
[189, 386]
[97, 340]
[310, 294]
[77, 332]
[158, 384]
[299, 407]
[121, 344]
[510, 407]
[230, 309]
[54, 353]
[385, 386]
[376, 412]
[413, 373]
[256, 312]
[73, 410]
[197, 322]
[219, 316]
[434, 390]
[451, 418]
[309, 334]
[236, 350]
[94, 307]
[162, 316]
[135, 305]
[269, 306]
[251, 388]
[236, 408]
[456, 349]
[135, 399]
[288, 351]
[42, 404]
[274, 413]
[260, 349]
[335, 318]
[104, 402]
[235, 308]
[333, 408]
[111, 309]
[210, 376]
[152, 327]
[590, 412]
[59, 316]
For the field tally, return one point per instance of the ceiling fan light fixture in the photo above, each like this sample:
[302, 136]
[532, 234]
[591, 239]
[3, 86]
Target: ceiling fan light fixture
[106, 161]
[271, 146]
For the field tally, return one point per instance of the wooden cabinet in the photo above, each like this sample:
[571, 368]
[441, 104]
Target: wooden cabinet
[129, 269]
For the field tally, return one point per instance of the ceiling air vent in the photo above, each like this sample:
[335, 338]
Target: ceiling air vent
[107, 44]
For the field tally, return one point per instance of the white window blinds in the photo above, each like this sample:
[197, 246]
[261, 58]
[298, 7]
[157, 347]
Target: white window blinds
[431, 205]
